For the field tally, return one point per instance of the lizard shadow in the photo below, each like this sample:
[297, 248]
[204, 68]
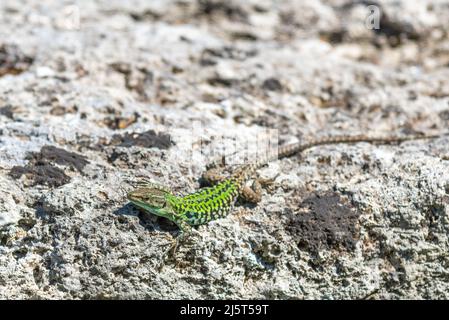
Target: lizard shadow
[245, 204]
[147, 220]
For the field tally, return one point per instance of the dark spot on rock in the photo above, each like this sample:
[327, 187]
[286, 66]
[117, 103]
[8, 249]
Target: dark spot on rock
[20, 253]
[333, 37]
[146, 15]
[216, 81]
[222, 7]
[228, 52]
[122, 160]
[7, 111]
[45, 174]
[206, 62]
[325, 221]
[41, 171]
[444, 115]
[177, 69]
[412, 95]
[61, 110]
[26, 223]
[84, 141]
[121, 67]
[59, 156]
[267, 118]
[246, 36]
[38, 275]
[118, 122]
[13, 61]
[272, 84]
[117, 155]
[148, 139]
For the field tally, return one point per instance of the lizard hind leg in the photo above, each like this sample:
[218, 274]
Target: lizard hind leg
[252, 194]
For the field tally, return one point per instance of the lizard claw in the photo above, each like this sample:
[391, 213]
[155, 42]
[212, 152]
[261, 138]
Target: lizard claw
[184, 237]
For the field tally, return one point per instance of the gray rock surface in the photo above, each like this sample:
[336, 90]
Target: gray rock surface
[95, 94]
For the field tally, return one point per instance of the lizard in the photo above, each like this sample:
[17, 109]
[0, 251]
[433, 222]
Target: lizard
[211, 203]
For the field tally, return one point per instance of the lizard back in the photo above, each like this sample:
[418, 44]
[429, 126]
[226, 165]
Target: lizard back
[207, 204]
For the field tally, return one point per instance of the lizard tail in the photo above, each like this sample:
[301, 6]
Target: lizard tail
[246, 171]
[290, 149]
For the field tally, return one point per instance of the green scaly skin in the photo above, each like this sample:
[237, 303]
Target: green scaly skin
[216, 202]
[197, 208]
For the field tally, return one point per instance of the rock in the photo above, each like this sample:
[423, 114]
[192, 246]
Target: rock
[9, 209]
[91, 104]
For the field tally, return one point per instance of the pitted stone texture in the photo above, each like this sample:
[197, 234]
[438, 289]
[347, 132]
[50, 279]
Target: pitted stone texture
[158, 89]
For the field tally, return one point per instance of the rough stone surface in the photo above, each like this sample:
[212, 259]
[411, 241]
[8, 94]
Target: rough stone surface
[160, 88]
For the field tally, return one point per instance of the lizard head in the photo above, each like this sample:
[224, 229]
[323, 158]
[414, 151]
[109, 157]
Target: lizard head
[152, 199]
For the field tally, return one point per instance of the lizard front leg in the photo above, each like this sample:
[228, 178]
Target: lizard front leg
[186, 231]
[183, 226]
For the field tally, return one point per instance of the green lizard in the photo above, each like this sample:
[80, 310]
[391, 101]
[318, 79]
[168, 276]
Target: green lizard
[216, 202]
